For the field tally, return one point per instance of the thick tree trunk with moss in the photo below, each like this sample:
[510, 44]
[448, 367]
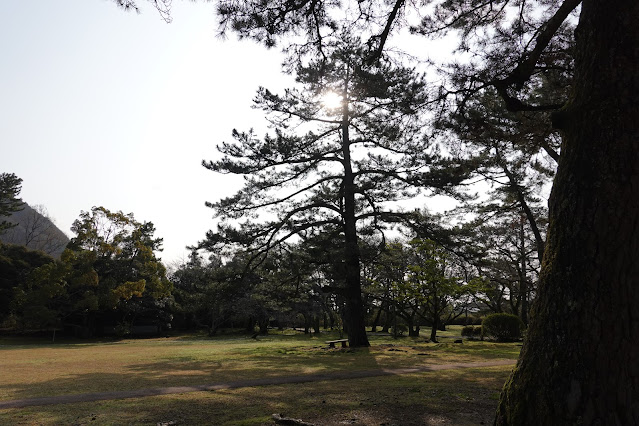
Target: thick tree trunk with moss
[580, 361]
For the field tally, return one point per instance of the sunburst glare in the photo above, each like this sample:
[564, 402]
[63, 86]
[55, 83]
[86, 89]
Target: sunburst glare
[331, 100]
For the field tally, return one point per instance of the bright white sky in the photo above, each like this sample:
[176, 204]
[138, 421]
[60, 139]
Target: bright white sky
[100, 107]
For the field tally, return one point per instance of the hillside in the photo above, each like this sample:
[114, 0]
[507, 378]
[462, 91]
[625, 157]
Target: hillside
[36, 231]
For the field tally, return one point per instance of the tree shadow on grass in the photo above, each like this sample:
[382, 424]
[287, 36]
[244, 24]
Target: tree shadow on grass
[443, 397]
[177, 370]
[254, 360]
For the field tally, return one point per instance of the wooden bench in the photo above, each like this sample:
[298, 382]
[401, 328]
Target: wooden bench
[331, 343]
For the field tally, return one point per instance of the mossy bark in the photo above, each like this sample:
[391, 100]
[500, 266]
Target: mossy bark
[580, 360]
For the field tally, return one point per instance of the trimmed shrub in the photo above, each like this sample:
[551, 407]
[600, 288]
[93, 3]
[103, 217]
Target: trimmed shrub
[399, 330]
[467, 331]
[503, 327]
[478, 331]
[471, 332]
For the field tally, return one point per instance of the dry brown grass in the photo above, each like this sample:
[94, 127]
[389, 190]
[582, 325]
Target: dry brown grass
[53, 369]
[454, 397]
[36, 369]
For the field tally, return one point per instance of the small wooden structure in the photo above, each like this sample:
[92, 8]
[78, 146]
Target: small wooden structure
[331, 343]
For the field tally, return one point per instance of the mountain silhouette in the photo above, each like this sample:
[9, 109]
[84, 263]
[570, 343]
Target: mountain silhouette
[35, 230]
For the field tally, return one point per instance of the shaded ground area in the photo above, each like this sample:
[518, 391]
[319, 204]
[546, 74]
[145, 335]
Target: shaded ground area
[100, 396]
[167, 381]
[459, 397]
[47, 370]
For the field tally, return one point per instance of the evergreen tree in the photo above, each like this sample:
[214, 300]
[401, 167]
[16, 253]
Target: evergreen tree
[514, 155]
[339, 176]
[16, 264]
[10, 187]
[130, 281]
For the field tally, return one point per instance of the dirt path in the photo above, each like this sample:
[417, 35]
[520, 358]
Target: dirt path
[341, 375]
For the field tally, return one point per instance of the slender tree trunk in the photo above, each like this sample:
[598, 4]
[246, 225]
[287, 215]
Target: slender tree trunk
[580, 360]
[539, 241]
[409, 324]
[250, 325]
[355, 313]
[435, 312]
[523, 284]
[316, 324]
[433, 330]
[376, 320]
[263, 325]
[388, 321]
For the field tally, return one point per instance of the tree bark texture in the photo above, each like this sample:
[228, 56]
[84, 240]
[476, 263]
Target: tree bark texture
[580, 360]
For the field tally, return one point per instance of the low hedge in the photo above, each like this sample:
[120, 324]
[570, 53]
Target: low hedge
[503, 327]
[472, 332]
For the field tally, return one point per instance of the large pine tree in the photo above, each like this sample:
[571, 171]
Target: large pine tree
[332, 168]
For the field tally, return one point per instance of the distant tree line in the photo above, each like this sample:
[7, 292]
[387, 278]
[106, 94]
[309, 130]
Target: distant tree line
[407, 284]
[107, 280]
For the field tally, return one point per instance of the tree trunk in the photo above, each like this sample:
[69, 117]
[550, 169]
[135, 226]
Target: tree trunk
[250, 325]
[433, 330]
[411, 327]
[263, 325]
[307, 323]
[355, 313]
[523, 284]
[316, 324]
[388, 322]
[580, 360]
[376, 320]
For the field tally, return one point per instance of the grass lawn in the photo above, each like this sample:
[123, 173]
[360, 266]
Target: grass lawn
[33, 369]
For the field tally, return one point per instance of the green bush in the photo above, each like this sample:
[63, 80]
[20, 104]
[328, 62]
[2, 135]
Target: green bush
[123, 329]
[467, 331]
[503, 327]
[471, 332]
[399, 330]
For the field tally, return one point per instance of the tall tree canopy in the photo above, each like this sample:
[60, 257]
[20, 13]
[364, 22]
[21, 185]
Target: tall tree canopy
[120, 252]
